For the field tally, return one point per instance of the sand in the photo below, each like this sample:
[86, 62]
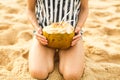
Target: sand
[101, 41]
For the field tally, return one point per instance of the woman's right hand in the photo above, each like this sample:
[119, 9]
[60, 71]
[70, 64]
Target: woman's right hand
[42, 39]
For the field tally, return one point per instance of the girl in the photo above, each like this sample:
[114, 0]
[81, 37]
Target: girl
[41, 58]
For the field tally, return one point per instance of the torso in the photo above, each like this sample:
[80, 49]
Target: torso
[50, 11]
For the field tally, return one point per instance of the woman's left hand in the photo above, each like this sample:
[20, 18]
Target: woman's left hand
[77, 36]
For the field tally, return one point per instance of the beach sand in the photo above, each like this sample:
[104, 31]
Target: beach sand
[101, 41]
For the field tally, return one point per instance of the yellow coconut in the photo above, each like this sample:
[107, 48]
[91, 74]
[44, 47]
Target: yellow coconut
[59, 35]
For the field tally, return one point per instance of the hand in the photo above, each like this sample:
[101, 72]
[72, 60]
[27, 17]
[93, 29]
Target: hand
[42, 39]
[77, 36]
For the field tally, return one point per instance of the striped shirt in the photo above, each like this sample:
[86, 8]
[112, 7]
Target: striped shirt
[50, 11]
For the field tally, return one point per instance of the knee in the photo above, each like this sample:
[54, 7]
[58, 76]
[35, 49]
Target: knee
[72, 75]
[39, 74]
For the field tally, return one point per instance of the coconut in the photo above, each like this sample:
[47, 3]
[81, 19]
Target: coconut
[59, 35]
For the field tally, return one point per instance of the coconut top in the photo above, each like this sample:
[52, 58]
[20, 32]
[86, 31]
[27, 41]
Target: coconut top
[59, 27]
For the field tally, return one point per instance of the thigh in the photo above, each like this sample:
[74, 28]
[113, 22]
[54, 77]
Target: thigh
[72, 59]
[40, 57]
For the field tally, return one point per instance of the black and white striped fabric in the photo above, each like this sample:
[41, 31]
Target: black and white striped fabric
[50, 11]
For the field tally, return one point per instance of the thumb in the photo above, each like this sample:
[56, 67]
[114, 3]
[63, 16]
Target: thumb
[40, 31]
[77, 30]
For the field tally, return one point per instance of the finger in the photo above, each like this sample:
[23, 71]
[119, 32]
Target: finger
[74, 42]
[41, 36]
[42, 40]
[77, 36]
[40, 31]
[43, 43]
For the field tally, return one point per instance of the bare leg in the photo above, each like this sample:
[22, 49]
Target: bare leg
[41, 60]
[72, 62]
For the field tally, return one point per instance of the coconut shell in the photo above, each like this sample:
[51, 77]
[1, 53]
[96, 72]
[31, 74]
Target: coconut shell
[59, 40]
